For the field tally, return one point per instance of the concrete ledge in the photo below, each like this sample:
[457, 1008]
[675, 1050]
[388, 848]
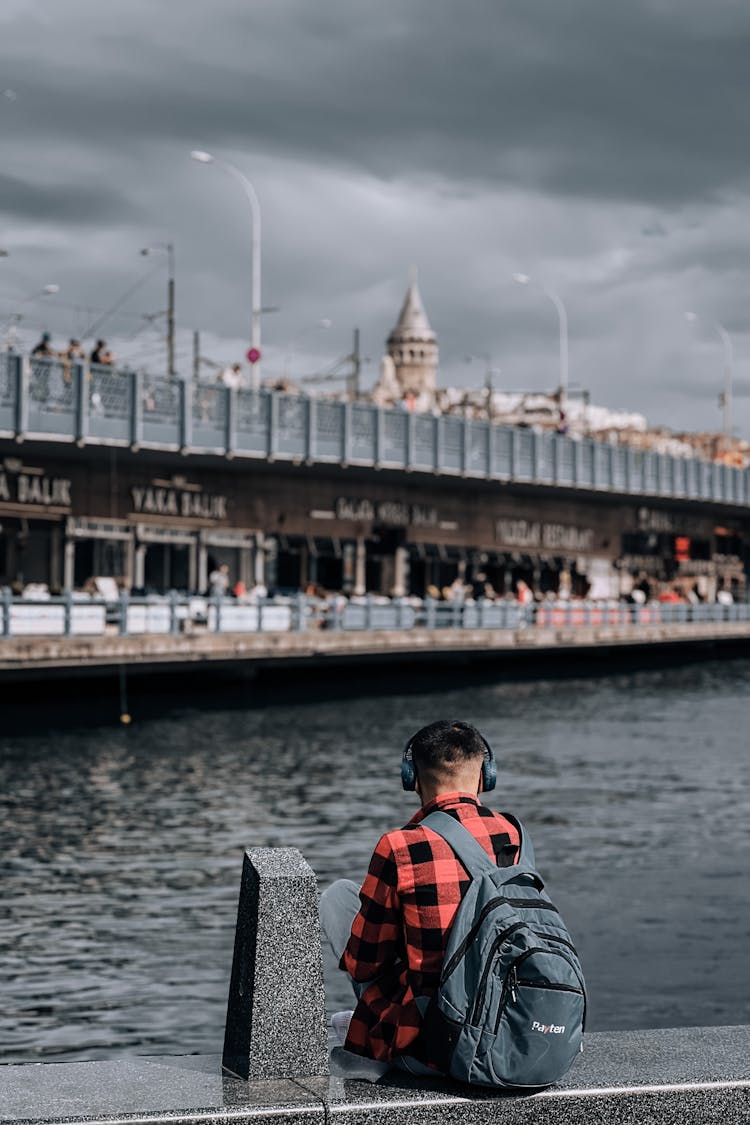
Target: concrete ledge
[25, 656]
[689, 1075]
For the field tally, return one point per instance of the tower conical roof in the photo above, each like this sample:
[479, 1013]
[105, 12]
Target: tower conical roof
[412, 321]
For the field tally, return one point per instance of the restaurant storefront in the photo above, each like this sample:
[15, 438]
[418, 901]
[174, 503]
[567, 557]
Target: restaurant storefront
[692, 554]
[72, 520]
[33, 507]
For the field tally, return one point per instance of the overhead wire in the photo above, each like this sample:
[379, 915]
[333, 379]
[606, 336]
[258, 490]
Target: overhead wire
[96, 325]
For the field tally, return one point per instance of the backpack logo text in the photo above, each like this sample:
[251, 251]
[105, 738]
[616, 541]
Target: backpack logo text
[548, 1028]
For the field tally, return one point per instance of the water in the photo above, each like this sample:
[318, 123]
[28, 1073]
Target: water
[120, 849]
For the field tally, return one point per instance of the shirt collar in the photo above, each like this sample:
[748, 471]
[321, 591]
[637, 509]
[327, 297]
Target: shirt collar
[443, 802]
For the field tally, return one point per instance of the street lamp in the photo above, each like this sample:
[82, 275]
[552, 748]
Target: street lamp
[726, 340]
[169, 247]
[207, 158]
[557, 301]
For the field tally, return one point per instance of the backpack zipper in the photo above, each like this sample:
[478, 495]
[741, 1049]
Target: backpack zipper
[518, 903]
[559, 940]
[501, 937]
[513, 982]
[559, 987]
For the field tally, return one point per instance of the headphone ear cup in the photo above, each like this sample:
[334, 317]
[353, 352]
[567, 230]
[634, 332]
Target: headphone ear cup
[489, 769]
[408, 773]
[408, 776]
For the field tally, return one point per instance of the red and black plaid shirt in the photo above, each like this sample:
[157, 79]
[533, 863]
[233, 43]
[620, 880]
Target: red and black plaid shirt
[408, 902]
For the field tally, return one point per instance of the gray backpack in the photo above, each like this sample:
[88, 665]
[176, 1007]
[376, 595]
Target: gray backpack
[510, 1008]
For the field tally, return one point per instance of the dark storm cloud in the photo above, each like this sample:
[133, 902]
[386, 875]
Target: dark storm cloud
[73, 203]
[597, 146]
[637, 101]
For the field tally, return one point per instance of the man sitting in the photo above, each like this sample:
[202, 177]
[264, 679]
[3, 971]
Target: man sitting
[391, 935]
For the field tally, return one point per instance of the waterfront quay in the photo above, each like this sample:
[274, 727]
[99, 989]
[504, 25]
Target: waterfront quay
[306, 634]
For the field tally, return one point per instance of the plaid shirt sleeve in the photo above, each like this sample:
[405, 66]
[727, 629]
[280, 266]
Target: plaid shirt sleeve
[376, 943]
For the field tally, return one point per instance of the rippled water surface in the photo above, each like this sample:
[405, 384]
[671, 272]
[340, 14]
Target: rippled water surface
[121, 847]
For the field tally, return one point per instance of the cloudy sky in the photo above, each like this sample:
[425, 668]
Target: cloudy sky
[601, 148]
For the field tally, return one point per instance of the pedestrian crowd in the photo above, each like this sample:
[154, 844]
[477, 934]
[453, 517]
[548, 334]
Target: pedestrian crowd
[100, 353]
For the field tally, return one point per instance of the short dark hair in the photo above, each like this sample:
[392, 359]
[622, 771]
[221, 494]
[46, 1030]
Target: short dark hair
[445, 745]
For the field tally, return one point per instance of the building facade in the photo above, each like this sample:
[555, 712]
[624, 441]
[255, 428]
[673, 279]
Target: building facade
[157, 521]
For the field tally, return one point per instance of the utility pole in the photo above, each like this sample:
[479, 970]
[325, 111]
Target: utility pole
[356, 360]
[170, 312]
[169, 247]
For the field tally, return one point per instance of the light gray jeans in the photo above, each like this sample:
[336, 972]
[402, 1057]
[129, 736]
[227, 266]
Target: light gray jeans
[339, 905]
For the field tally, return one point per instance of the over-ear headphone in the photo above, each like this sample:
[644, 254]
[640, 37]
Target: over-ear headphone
[409, 774]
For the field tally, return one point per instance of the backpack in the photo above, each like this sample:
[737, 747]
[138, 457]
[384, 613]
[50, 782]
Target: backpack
[510, 1007]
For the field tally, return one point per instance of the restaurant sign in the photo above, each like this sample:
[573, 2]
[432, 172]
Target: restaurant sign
[547, 536]
[392, 513]
[187, 503]
[38, 490]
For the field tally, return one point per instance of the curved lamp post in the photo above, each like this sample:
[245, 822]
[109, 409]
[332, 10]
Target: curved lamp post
[206, 158]
[557, 301]
[726, 342]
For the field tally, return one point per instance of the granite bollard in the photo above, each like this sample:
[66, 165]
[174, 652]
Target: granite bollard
[276, 1025]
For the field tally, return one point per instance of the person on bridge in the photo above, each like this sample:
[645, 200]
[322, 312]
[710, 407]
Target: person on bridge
[390, 936]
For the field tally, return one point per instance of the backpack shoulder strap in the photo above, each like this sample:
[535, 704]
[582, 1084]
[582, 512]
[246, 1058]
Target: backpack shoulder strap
[472, 854]
[526, 851]
[469, 851]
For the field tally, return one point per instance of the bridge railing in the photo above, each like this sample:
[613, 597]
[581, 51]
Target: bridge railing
[59, 400]
[72, 615]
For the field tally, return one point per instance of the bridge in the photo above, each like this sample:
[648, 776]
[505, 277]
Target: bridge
[54, 400]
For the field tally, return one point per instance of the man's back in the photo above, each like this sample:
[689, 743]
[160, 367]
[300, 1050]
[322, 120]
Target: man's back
[408, 903]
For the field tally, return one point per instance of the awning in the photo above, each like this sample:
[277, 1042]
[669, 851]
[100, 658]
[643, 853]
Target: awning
[80, 528]
[177, 536]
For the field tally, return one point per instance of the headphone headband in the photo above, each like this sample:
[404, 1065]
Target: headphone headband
[409, 774]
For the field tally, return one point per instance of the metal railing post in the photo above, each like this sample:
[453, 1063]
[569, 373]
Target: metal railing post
[67, 600]
[379, 435]
[136, 415]
[230, 436]
[534, 442]
[173, 623]
[261, 602]
[185, 414]
[22, 398]
[410, 441]
[7, 602]
[124, 604]
[311, 425]
[346, 435]
[217, 600]
[430, 606]
[80, 386]
[515, 453]
[300, 614]
[272, 437]
[368, 613]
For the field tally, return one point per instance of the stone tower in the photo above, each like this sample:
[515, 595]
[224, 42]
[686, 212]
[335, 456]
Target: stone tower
[413, 349]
